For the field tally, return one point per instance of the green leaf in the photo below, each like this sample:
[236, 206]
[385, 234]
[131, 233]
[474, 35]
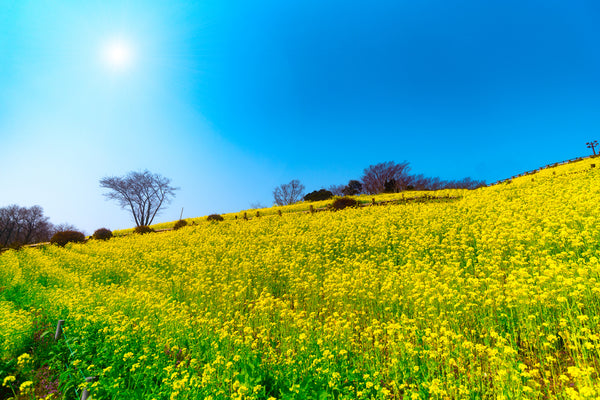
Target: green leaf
[44, 334]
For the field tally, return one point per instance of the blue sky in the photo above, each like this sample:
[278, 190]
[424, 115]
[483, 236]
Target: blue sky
[231, 98]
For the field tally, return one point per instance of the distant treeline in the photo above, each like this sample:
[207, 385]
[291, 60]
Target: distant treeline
[385, 177]
[391, 177]
[22, 225]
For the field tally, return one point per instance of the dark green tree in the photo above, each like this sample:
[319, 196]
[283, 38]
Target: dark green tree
[318, 195]
[353, 188]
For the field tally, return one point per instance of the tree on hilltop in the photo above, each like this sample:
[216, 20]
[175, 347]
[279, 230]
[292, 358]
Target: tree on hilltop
[288, 193]
[142, 193]
[353, 188]
[337, 190]
[318, 195]
[386, 177]
[63, 227]
[22, 225]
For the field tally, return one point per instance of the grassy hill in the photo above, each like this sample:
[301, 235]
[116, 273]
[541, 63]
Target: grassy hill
[494, 295]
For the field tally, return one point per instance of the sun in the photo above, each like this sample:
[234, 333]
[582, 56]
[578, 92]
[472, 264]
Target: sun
[118, 55]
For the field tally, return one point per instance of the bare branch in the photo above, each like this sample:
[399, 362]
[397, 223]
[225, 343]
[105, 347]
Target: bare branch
[288, 193]
[386, 176]
[143, 193]
[22, 225]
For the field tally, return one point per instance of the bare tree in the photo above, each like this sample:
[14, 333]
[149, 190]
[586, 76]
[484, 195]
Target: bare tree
[418, 182]
[142, 193]
[11, 223]
[337, 190]
[435, 183]
[22, 225]
[421, 182]
[387, 175]
[36, 227]
[63, 227]
[288, 193]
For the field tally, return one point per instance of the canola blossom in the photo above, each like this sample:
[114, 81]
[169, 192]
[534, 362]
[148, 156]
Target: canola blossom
[15, 327]
[493, 295]
[304, 206]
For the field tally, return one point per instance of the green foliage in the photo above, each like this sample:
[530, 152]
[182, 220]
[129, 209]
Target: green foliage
[180, 224]
[143, 229]
[353, 187]
[214, 217]
[391, 186]
[64, 237]
[344, 202]
[102, 234]
[318, 195]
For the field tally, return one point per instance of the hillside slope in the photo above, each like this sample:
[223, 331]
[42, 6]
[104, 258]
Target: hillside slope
[495, 295]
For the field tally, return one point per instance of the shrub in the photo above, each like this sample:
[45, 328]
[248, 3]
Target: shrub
[16, 245]
[322, 194]
[180, 224]
[102, 234]
[344, 202]
[215, 217]
[64, 237]
[143, 229]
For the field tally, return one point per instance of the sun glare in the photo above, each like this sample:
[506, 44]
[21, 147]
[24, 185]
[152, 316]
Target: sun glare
[118, 55]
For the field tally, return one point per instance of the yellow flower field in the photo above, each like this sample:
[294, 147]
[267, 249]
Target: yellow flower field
[304, 206]
[494, 295]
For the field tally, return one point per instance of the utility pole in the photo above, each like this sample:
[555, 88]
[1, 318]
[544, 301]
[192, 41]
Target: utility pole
[592, 145]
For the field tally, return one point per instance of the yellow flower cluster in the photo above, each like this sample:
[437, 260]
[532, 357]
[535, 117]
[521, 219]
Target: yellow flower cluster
[494, 295]
[15, 326]
[304, 206]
